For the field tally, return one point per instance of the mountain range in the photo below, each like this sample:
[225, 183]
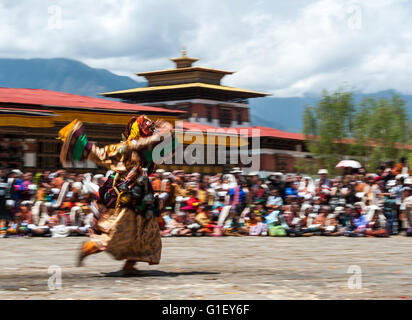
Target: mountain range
[71, 76]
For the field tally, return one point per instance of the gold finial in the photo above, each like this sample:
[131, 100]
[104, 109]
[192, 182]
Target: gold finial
[184, 51]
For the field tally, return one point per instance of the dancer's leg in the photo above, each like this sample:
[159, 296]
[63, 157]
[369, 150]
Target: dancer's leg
[87, 249]
[129, 267]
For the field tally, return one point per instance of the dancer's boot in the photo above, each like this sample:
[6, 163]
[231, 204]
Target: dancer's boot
[129, 269]
[87, 249]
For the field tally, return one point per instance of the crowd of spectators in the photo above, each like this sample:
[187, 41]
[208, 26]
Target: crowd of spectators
[355, 204]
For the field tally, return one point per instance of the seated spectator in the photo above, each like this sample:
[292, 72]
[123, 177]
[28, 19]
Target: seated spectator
[205, 220]
[276, 223]
[192, 202]
[274, 200]
[193, 225]
[165, 218]
[314, 224]
[332, 226]
[177, 225]
[359, 220]
[376, 227]
[351, 230]
[255, 225]
[293, 220]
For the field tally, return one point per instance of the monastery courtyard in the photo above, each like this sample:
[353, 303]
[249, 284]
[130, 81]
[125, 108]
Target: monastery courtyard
[214, 268]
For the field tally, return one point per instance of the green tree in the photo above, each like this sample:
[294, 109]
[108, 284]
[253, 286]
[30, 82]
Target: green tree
[328, 125]
[376, 131]
[381, 130]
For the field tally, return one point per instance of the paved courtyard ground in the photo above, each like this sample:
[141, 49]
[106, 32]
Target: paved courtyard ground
[215, 268]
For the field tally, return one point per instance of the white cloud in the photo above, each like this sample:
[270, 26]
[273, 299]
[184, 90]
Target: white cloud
[287, 48]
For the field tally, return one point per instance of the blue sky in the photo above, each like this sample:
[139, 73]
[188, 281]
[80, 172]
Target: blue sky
[287, 48]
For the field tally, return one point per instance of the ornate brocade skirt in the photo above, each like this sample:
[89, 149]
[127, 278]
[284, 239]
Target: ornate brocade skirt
[127, 235]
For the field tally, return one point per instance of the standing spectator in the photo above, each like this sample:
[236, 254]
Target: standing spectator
[401, 167]
[407, 202]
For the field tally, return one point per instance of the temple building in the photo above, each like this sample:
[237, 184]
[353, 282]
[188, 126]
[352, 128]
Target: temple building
[196, 90]
[210, 105]
[30, 120]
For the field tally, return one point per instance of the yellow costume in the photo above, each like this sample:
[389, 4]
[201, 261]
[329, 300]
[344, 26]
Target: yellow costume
[122, 229]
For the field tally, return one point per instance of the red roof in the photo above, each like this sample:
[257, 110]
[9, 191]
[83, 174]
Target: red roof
[251, 132]
[255, 131]
[44, 112]
[60, 99]
[196, 126]
[270, 132]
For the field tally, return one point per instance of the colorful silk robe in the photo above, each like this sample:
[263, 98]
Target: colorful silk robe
[120, 231]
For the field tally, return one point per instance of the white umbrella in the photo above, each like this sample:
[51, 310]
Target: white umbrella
[349, 164]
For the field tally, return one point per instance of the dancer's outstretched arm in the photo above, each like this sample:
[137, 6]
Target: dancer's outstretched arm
[77, 147]
[163, 128]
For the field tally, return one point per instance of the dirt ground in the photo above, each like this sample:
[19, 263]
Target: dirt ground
[214, 268]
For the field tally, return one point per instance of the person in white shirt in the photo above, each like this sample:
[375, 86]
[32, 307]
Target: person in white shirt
[274, 200]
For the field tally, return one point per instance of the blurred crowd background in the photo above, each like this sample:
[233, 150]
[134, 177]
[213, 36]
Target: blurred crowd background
[356, 203]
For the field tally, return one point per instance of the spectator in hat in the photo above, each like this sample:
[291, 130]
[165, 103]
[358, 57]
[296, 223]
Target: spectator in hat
[323, 180]
[193, 202]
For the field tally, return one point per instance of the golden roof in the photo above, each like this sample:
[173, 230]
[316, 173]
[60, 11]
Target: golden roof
[184, 61]
[149, 73]
[183, 86]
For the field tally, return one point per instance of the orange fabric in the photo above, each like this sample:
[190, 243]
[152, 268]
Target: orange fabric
[360, 187]
[57, 182]
[202, 196]
[398, 169]
[202, 218]
[157, 185]
[89, 248]
[166, 186]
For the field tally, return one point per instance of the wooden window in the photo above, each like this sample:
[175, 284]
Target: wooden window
[225, 117]
[239, 116]
[209, 114]
[49, 147]
[282, 163]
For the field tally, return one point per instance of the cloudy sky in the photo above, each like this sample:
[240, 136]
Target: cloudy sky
[287, 48]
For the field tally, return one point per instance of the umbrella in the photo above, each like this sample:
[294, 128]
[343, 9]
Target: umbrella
[349, 164]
